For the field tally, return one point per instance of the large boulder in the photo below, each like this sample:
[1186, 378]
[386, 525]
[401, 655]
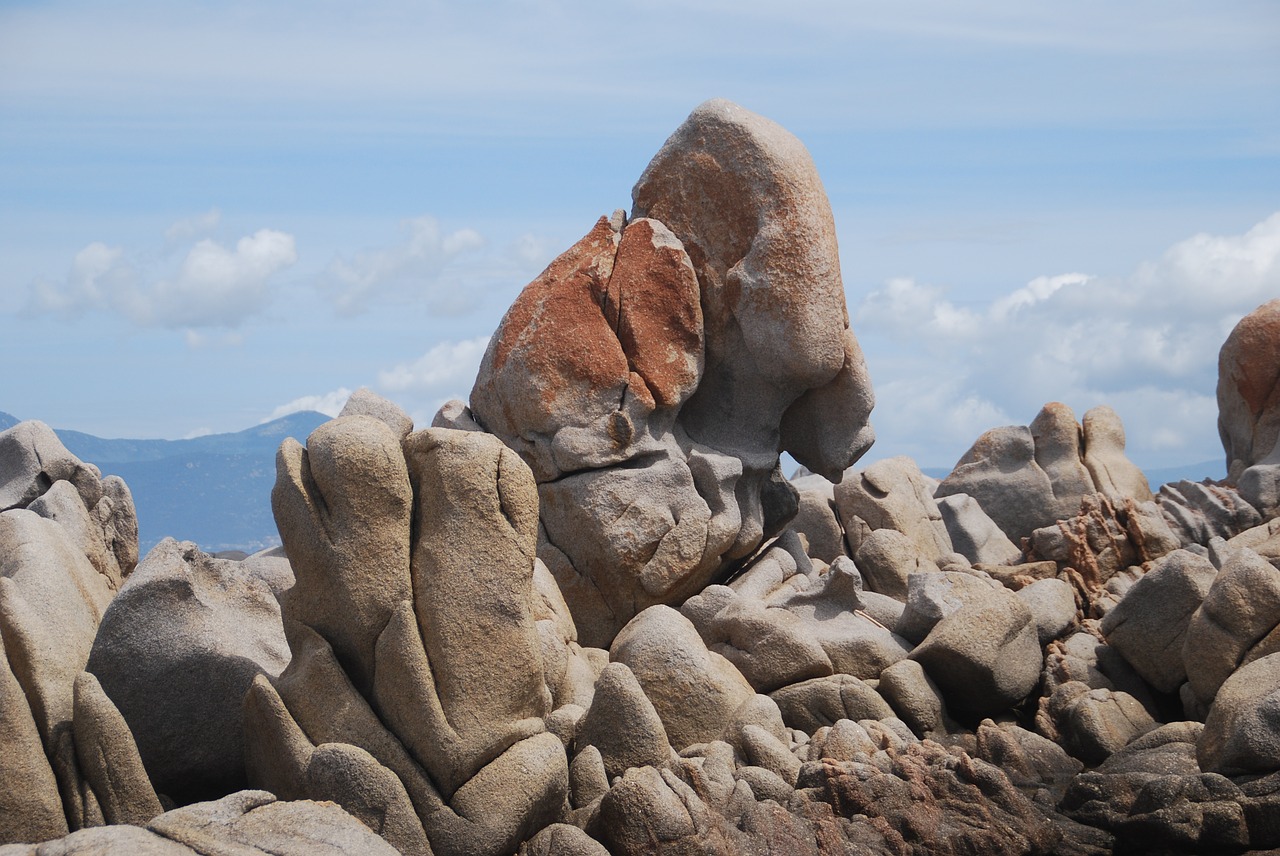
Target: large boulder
[178, 649]
[894, 494]
[432, 723]
[1249, 389]
[1242, 732]
[652, 374]
[1149, 624]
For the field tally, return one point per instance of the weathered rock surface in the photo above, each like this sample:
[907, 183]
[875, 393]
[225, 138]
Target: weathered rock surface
[650, 375]
[1249, 389]
[176, 652]
[1242, 732]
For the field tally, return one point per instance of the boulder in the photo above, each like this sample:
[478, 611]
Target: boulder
[1000, 472]
[894, 494]
[694, 691]
[1053, 607]
[816, 518]
[176, 652]
[1242, 732]
[655, 437]
[974, 534]
[1092, 724]
[1149, 624]
[1059, 448]
[1238, 622]
[1249, 389]
[622, 724]
[983, 653]
[1109, 468]
[887, 558]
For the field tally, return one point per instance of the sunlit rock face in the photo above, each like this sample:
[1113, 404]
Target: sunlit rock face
[652, 374]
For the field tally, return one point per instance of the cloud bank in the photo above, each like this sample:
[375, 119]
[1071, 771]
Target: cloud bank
[1146, 343]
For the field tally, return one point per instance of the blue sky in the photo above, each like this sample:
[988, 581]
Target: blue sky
[213, 212]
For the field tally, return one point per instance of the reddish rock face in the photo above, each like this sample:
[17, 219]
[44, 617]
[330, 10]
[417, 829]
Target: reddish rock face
[1249, 388]
[653, 373]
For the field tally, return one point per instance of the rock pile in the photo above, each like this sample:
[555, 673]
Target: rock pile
[586, 614]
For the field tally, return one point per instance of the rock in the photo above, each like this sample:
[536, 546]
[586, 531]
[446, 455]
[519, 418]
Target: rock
[1059, 447]
[648, 811]
[813, 704]
[561, 839]
[915, 699]
[1169, 750]
[251, 822]
[366, 402]
[176, 651]
[985, 654]
[1000, 472]
[974, 534]
[1149, 625]
[1249, 389]
[1238, 622]
[886, 558]
[931, 597]
[694, 691]
[1198, 512]
[1024, 756]
[622, 724]
[30, 807]
[343, 506]
[770, 646]
[1242, 732]
[32, 459]
[816, 518]
[1053, 607]
[108, 757]
[774, 267]
[1111, 471]
[893, 494]
[1093, 724]
[655, 437]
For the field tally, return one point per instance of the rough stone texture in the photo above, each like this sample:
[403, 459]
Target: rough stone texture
[1059, 448]
[1111, 471]
[820, 702]
[1198, 512]
[176, 651]
[1000, 471]
[695, 691]
[974, 534]
[343, 506]
[651, 374]
[1249, 389]
[817, 520]
[108, 757]
[30, 808]
[1242, 732]
[1053, 607]
[456, 683]
[366, 402]
[1149, 625]
[887, 558]
[1092, 724]
[894, 494]
[1238, 622]
[622, 724]
[984, 654]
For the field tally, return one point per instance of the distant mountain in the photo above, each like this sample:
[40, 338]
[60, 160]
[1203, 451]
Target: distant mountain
[214, 490]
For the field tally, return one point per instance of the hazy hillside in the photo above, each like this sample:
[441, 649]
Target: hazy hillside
[214, 490]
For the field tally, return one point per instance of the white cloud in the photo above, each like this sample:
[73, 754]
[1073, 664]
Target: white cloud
[448, 370]
[213, 285]
[328, 403]
[1146, 344]
[405, 270]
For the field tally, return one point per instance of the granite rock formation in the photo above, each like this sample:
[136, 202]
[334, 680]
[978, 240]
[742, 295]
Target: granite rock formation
[590, 616]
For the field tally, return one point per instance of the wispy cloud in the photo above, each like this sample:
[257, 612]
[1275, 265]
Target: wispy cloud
[447, 370]
[329, 403]
[407, 270]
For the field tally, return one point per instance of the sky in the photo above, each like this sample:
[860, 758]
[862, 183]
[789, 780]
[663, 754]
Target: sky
[213, 213]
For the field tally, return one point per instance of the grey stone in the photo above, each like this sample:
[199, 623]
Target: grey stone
[894, 494]
[1053, 607]
[1149, 625]
[1242, 732]
[974, 534]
